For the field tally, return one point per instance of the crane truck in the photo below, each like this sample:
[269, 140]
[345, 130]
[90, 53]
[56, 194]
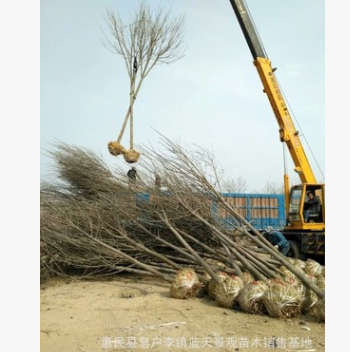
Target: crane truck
[306, 234]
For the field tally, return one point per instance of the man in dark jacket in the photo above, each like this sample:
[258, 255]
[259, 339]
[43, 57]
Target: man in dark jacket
[158, 181]
[277, 239]
[132, 176]
[312, 206]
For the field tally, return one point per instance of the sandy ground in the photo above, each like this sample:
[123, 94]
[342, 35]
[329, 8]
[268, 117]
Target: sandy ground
[132, 313]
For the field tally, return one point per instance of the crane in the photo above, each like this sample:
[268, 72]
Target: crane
[305, 227]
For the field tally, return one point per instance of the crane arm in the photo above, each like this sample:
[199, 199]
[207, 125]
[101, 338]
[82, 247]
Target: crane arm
[287, 130]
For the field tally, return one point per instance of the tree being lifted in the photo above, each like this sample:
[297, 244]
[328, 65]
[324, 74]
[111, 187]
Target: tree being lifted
[149, 39]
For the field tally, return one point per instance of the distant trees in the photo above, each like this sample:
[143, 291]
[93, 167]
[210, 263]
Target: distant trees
[238, 185]
[273, 188]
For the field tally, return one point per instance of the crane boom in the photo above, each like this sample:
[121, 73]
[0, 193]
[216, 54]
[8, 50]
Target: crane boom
[287, 130]
[305, 234]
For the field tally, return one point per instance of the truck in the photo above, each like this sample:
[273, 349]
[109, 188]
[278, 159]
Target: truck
[260, 210]
[304, 228]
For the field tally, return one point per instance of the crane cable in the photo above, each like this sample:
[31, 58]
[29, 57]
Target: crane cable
[301, 134]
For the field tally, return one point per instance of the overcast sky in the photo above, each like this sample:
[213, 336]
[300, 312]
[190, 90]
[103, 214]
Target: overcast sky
[212, 97]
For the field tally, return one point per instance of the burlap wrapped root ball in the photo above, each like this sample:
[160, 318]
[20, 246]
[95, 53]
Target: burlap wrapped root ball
[282, 300]
[248, 277]
[313, 268]
[250, 298]
[287, 273]
[297, 285]
[115, 148]
[321, 282]
[185, 285]
[289, 276]
[212, 284]
[206, 278]
[292, 280]
[131, 156]
[299, 264]
[291, 260]
[227, 291]
[310, 298]
[317, 308]
[323, 273]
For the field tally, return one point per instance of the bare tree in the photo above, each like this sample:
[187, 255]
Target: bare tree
[150, 38]
[235, 186]
[273, 188]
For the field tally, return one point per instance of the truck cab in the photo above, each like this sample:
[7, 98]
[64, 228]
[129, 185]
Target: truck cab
[298, 207]
[306, 236]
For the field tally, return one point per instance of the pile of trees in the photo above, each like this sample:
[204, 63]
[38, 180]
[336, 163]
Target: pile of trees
[93, 223]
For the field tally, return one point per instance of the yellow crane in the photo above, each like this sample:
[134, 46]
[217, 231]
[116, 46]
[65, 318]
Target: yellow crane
[305, 203]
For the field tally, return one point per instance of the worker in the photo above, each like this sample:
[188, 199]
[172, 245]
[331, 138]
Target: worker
[277, 239]
[132, 173]
[135, 66]
[312, 206]
[158, 181]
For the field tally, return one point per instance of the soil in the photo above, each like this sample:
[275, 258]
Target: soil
[134, 313]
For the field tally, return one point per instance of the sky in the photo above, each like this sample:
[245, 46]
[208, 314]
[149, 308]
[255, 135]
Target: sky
[211, 98]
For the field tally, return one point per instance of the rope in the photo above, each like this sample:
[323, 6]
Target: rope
[115, 148]
[124, 125]
[129, 113]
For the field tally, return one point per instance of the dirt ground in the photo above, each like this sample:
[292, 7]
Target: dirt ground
[134, 313]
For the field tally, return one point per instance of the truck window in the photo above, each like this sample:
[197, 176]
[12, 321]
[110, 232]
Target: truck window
[294, 204]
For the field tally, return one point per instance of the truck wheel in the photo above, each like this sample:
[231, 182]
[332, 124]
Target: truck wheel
[294, 251]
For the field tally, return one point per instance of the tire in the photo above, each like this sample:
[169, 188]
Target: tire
[294, 251]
